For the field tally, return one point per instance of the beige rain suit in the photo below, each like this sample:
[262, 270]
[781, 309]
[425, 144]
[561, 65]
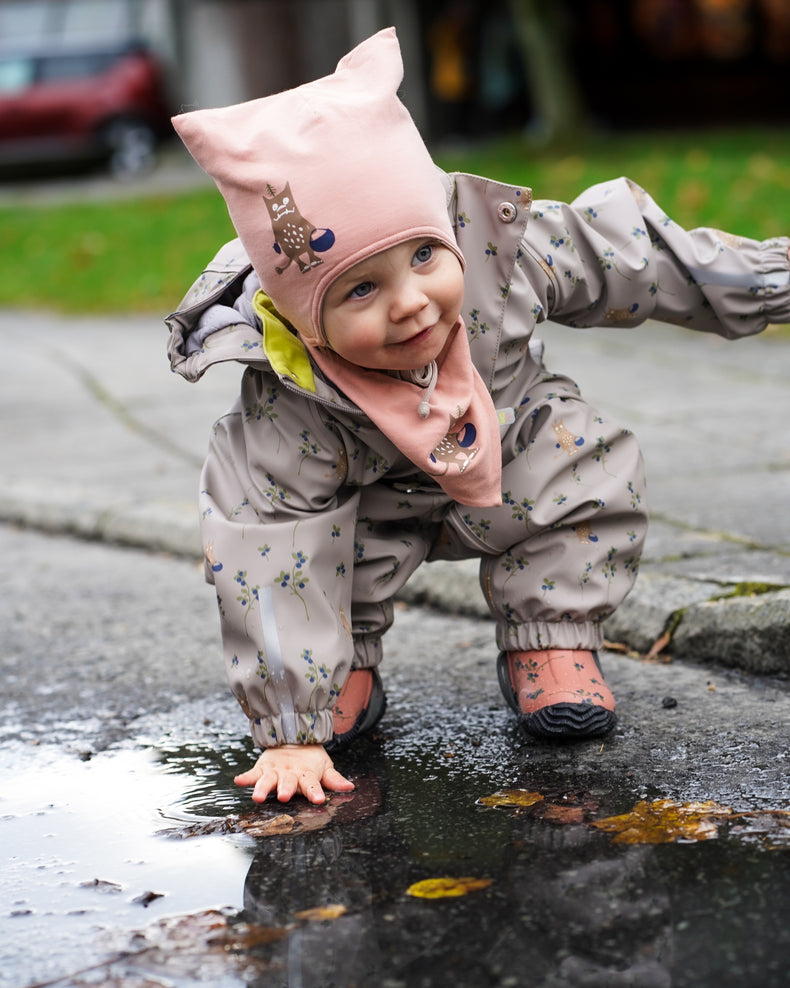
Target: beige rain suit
[312, 520]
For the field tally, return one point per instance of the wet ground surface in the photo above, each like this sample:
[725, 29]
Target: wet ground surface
[132, 860]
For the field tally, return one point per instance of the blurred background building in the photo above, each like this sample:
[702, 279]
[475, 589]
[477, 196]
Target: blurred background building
[473, 67]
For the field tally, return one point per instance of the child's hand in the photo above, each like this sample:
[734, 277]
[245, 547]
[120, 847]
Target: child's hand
[292, 768]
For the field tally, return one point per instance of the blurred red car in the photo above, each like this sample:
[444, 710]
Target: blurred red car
[70, 104]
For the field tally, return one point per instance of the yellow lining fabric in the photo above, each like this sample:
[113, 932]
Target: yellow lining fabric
[284, 349]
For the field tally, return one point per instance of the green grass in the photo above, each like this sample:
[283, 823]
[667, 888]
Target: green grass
[142, 255]
[737, 181]
[125, 256]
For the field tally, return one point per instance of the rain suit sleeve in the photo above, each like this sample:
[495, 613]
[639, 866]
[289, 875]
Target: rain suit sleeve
[613, 257]
[278, 508]
[277, 523]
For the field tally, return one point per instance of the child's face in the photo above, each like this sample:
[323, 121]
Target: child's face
[396, 309]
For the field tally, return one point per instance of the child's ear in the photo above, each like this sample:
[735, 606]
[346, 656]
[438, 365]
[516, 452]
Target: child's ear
[312, 338]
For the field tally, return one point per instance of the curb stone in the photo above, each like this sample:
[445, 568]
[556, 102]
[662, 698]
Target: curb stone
[751, 633]
[747, 633]
[79, 512]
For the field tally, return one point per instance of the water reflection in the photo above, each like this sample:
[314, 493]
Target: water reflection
[326, 900]
[82, 857]
[566, 905]
[563, 905]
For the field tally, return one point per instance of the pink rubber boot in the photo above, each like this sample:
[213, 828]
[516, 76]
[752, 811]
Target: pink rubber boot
[557, 693]
[358, 708]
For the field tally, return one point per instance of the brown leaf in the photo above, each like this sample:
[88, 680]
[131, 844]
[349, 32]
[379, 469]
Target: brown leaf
[446, 888]
[665, 821]
[322, 912]
[242, 938]
[511, 797]
[770, 827]
[620, 647]
[555, 813]
[659, 645]
[257, 826]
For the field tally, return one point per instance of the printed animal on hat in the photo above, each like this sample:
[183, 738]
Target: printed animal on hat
[295, 236]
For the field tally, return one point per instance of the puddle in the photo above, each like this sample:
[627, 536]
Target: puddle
[83, 856]
[303, 896]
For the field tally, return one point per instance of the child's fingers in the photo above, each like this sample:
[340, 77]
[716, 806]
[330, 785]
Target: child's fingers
[332, 779]
[266, 783]
[248, 778]
[310, 787]
[285, 771]
[287, 784]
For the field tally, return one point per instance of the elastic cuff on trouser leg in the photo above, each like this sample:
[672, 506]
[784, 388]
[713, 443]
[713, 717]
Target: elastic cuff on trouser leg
[514, 637]
[367, 653]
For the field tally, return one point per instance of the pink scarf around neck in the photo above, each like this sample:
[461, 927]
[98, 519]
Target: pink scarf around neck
[458, 443]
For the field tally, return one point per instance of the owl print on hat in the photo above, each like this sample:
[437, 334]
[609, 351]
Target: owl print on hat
[294, 236]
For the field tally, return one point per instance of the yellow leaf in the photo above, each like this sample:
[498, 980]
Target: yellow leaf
[322, 912]
[665, 821]
[511, 797]
[444, 888]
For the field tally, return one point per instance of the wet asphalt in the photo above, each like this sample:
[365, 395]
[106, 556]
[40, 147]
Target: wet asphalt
[132, 859]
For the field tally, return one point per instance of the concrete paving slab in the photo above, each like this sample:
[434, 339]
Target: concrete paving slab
[100, 439]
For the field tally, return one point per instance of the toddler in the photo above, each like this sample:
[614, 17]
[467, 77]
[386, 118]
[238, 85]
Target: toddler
[395, 408]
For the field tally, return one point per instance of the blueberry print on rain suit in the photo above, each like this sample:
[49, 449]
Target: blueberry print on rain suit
[312, 519]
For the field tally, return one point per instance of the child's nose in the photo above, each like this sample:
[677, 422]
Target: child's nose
[408, 301]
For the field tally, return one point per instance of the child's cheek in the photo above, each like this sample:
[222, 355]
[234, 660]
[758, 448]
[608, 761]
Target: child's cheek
[363, 334]
[355, 340]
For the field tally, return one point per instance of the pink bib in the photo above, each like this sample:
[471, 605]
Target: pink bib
[458, 443]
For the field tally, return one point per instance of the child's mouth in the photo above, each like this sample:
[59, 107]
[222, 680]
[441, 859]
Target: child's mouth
[418, 337]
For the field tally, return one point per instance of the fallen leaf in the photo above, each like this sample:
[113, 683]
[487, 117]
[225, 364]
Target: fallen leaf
[238, 939]
[146, 898]
[446, 888]
[195, 948]
[221, 825]
[322, 912]
[770, 827]
[659, 645]
[258, 827]
[665, 821]
[616, 647]
[101, 886]
[256, 824]
[511, 797]
[555, 813]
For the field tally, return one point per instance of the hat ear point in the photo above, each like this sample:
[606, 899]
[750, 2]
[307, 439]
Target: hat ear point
[381, 56]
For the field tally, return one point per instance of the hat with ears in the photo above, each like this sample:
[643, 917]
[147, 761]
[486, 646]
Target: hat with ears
[318, 177]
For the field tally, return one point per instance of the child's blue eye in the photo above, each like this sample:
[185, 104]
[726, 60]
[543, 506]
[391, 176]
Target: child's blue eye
[361, 290]
[423, 254]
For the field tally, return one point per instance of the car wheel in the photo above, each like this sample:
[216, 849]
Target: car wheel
[132, 148]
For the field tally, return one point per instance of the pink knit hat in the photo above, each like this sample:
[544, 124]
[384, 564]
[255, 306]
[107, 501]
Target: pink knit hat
[319, 177]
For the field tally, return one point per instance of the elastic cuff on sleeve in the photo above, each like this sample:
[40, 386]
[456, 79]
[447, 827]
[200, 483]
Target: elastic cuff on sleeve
[314, 727]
